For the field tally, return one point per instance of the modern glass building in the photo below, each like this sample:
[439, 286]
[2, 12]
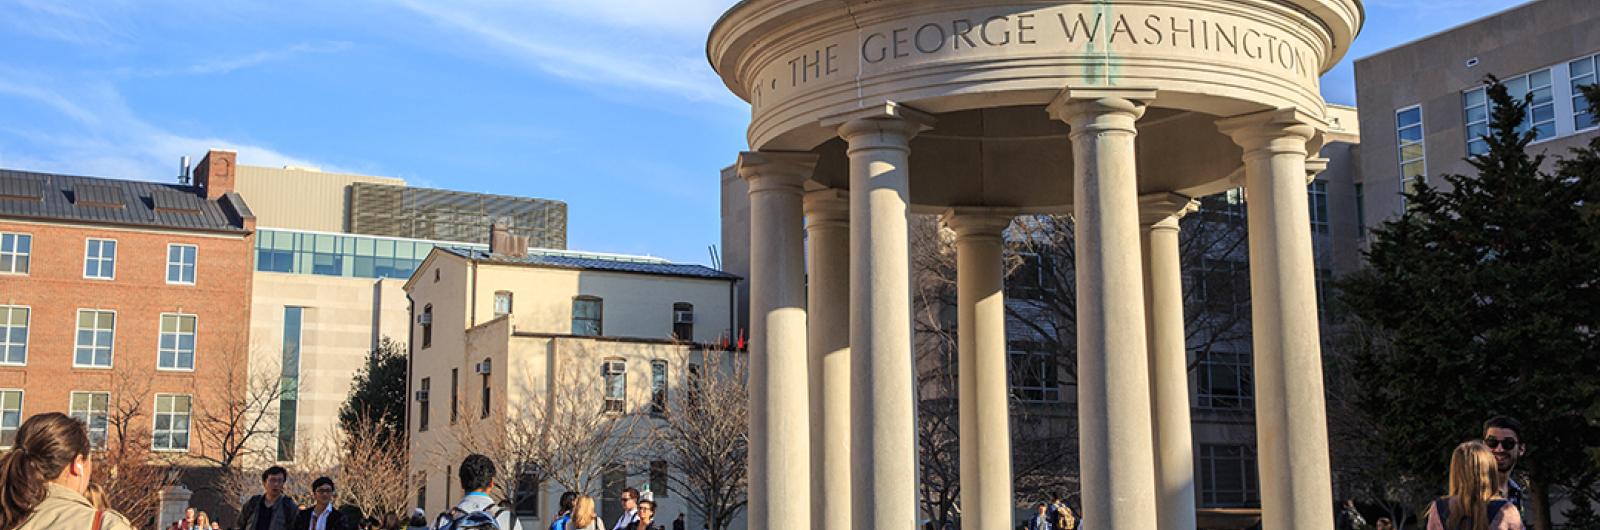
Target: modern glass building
[446, 215]
[346, 255]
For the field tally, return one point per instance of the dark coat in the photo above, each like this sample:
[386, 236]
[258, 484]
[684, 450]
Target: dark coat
[283, 514]
[335, 520]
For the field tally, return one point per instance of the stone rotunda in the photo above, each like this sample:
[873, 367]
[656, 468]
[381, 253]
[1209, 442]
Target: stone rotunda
[1119, 112]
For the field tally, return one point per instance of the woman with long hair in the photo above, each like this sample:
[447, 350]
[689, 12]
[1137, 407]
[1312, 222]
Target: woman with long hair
[44, 476]
[583, 516]
[1474, 502]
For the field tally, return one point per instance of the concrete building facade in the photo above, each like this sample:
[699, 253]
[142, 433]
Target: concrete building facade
[1423, 106]
[500, 333]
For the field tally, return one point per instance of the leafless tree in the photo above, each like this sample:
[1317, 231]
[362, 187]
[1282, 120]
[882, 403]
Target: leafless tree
[233, 425]
[374, 470]
[132, 476]
[705, 438]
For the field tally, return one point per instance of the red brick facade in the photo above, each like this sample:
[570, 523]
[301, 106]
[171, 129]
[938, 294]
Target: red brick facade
[55, 289]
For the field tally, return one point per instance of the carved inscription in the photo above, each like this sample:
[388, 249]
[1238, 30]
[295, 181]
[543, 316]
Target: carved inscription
[1079, 29]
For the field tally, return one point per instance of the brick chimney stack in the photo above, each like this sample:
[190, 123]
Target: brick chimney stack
[215, 174]
[503, 242]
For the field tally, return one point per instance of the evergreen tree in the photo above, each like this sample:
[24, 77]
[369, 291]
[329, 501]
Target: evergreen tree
[1485, 294]
[379, 393]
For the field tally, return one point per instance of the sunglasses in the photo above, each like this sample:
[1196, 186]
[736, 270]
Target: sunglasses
[1494, 443]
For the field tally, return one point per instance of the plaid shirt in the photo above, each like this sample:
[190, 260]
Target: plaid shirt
[1514, 495]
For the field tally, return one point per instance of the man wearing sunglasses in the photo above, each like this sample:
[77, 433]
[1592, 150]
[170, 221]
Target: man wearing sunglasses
[1503, 435]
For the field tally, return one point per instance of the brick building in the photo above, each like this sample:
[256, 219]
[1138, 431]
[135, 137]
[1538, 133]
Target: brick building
[117, 292]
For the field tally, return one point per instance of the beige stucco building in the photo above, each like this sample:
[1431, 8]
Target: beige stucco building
[499, 333]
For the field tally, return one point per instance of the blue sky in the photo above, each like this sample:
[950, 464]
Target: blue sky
[605, 104]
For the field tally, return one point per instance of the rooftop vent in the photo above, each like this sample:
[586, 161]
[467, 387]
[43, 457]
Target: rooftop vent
[98, 196]
[21, 189]
[170, 201]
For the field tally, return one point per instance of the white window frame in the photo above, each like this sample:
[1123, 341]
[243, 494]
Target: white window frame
[21, 404]
[16, 255]
[87, 243]
[27, 327]
[1243, 365]
[1579, 104]
[617, 368]
[87, 416]
[1401, 145]
[155, 420]
[194, 353]
[509, 298]
[194, 266]
[111, 347]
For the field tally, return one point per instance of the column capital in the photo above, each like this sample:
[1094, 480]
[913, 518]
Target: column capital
[889, 124]
[1100, 108]
[1278, 131]
[1164, 209]
[1315, 166]
[977, 221]
[777, 170]
[827, 208]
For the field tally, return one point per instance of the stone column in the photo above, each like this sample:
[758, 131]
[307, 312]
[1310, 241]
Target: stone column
[884, 441]
[780, 452]
[828, 300]
[1169, 360]
[1118, 472]
[986, 500]
[1291, 417]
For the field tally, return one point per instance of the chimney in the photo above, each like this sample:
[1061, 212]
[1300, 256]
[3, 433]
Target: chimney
[183, 170]
[214, 176]
[503, 242]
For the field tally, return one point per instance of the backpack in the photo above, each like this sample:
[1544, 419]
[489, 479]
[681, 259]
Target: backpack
[479, 520]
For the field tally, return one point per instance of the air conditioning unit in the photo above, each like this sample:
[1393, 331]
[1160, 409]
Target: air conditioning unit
[683, 317]
[422, 395]
[481, 368]
[425, 319]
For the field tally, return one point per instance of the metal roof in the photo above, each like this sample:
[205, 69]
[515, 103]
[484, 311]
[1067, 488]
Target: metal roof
[564, 259]
[45, 196]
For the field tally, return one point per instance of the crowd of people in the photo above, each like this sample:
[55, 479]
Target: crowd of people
[45, 485]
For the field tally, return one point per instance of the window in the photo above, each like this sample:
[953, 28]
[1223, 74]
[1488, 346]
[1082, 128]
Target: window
[455, 396]
[502, 303]
[612, 480]
[658, 480]
[180, 263]
[1228, 477]
[658, 387]
[586, 316]
[526, 497]
[615, 376]
[100, 259]
[348, 255]
[1582, 72]
[1317, 192]
[484, 411]
[427, 325]
[16, 251]
[172, 423]
[693, 384]
[422, 490]
[1033, 277]
[97, 331]
[177, 342]
[1413, 153]
[422, 404]
[1033, 373]
[1224, 381]
[10, 416]
[683, 321]
[13, 335]
[94, 410]
[1541, 113]
[289, 381]
[1225, 285]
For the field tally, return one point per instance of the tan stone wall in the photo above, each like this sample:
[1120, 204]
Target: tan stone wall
[301, 199]
[634, 305]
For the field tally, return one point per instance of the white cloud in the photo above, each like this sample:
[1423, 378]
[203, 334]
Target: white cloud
[69, 22]
[654, 45]
[230, 64]
[104, 137]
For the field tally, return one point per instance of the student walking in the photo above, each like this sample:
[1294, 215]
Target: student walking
[646, 517]
[583, 515]
[271, 510]
[564, 514]
[1041, 518]
[44, 475]
[321, 515]
[1503, 435]
[630, 509]
[1473, 503]
[477, 509]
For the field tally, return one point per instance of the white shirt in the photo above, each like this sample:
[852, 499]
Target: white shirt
[627, 519]
[319, 521]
